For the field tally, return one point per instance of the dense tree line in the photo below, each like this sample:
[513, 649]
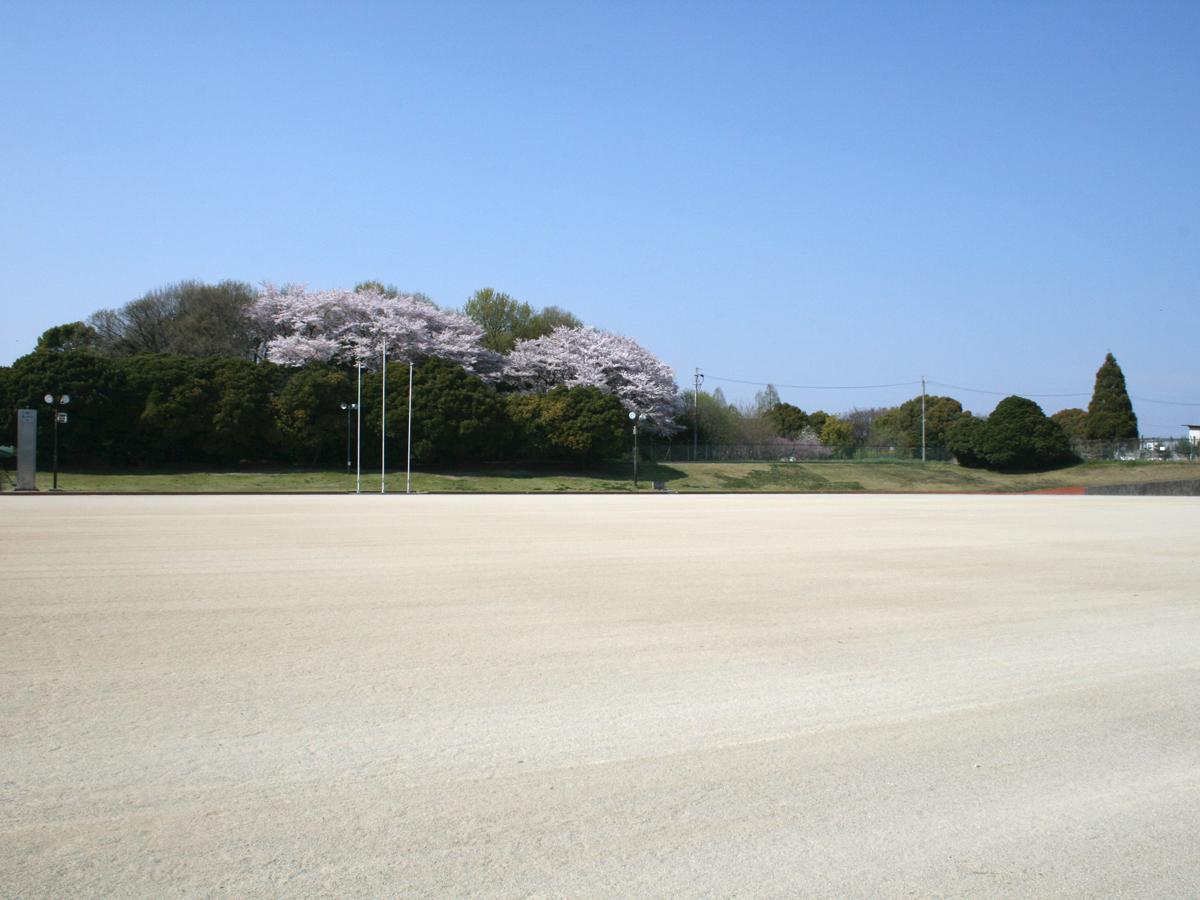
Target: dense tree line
[197, 374]
[170, 410]
[1017, 434]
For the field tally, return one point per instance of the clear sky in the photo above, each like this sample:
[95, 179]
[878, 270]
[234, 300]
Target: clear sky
[992, 195]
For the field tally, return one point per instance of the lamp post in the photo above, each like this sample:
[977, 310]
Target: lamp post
[349, 408]
[55, 403]
[408, 461]
[635, 418]
[358, 434]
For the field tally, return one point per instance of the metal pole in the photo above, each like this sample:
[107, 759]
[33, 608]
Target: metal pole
[696, 417]
[408, 463]
[383, 427]
[635, 455]
[54, 410]
[358, 436]
[922, 418]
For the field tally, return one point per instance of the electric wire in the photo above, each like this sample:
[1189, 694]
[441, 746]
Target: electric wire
[814, 387]
[969, 390]
[929, 382]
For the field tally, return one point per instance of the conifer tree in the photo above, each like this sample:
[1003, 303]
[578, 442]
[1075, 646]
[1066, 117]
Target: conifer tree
[1110, 415]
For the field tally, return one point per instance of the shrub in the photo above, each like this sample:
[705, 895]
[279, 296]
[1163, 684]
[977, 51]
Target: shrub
[1017, 435]
[579, 423]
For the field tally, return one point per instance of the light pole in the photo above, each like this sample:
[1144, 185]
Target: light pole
[383, 422]
[408, 461]
[55, 403]
[635, 418]
[358, 434]
[349, 408]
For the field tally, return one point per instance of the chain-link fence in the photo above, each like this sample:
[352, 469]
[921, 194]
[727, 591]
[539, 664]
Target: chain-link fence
[783, 451]
[1168, 449]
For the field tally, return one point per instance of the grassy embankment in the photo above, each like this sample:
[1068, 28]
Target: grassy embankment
[819, 477]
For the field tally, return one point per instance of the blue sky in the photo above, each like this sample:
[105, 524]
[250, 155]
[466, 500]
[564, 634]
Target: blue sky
[992, 195]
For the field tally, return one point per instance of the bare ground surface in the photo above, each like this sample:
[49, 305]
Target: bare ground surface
[600, 696]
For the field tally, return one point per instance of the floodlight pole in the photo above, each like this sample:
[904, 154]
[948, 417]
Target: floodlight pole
[55, 401]
[358, 435]
[383, 427]
[54, 485]
[634, 417]
[349, 407]
[408, 462]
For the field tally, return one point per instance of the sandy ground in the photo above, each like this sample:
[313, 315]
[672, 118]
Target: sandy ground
[599, 696]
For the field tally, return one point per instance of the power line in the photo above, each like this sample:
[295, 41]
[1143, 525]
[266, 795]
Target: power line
[956, 387]
[815, 387]
[1164, 402]
[959, 387]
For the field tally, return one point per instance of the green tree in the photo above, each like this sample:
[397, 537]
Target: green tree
[787, 420]
[8, 406]
[1018, 435]
[243, 421]
[309, 419]
[963, 439]
[457, 416]
[551, 317]
[719, 423]
[838, 435]
[817, 419]
[173, 398]
[1073, 421]
[505, 320]
[71, 336]
[579, 423]
[99, 415]
[1110, 415]
[901, 425]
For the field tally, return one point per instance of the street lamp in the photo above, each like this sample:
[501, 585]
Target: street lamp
[635, 418]
[349, 408]
[59, 416]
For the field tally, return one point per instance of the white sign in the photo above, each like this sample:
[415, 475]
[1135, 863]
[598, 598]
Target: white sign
[26, 449]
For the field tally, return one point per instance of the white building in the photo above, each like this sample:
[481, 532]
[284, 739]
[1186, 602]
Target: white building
[1193, 433]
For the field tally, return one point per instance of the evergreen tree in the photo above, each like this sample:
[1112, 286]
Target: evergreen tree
[1018, 435]
[1110, 414]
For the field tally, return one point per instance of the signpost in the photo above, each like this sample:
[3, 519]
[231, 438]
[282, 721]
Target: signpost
[26, 449]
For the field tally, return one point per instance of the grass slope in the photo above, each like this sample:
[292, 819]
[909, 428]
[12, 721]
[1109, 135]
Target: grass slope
[820, 477]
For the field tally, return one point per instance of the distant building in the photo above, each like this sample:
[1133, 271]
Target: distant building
[1194, 433]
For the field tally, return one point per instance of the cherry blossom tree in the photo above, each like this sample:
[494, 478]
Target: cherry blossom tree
[594, 358]
[299, 326]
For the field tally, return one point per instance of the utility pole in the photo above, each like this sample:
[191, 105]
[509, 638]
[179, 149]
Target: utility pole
[696, 416]
[922, 418]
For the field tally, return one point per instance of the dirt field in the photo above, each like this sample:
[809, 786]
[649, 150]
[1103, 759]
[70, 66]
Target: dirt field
[599, 696]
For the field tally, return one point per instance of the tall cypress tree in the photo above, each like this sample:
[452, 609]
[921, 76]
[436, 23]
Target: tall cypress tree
[1110, 414]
